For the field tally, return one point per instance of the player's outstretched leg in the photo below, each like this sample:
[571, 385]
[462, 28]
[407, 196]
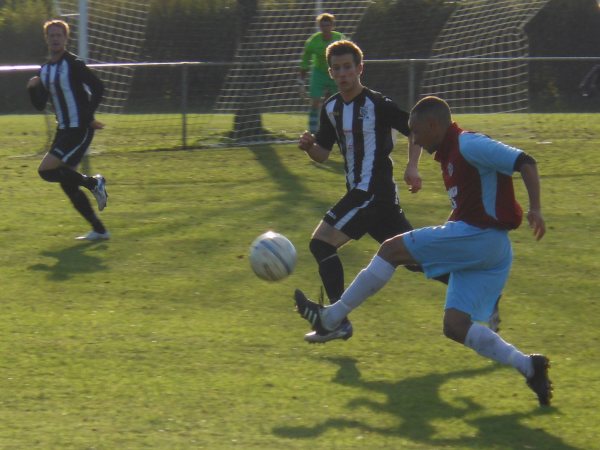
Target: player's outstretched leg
[331, 272]
[312, 311]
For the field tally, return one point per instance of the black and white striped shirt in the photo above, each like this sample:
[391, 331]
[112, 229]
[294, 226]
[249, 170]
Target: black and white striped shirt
[363, 131]
[75, 91]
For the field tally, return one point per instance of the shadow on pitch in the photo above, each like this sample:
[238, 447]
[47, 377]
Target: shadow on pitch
[416, 415]
[72, 261]
[291, 186]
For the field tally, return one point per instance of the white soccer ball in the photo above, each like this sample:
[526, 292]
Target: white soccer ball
[272, 256]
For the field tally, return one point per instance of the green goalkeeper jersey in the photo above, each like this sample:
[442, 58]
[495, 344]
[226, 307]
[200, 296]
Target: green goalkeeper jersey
[314, 51]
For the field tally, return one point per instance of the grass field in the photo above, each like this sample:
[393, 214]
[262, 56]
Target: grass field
[162, 337]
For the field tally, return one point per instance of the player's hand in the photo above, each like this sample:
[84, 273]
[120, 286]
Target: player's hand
[33, 82]
[536, 223]
[306, 141]
[413, 179]
[96, 125]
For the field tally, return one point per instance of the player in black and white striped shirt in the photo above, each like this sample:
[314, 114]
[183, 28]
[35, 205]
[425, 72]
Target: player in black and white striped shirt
[75, 93]
[360, 121]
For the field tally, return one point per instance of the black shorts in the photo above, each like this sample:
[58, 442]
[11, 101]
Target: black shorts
[71, 144]
[359, 212]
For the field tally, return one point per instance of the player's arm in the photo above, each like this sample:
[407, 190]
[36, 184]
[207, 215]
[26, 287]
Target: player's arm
[319, 147]
[399, 121]
[94, 83]
[526, 165]
[96, 88]
[37, 93]
[309, 144]
[306, 58]
[411, 174]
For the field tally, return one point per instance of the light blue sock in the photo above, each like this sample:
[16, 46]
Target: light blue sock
[370, 280]
[489, 344]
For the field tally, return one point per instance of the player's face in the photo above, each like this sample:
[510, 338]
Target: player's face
[424, 133]
[56, 39]
[326, 28]
[345, 72]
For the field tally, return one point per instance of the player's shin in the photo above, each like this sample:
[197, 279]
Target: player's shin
[330, 268]
[370, 280]
[489, 344]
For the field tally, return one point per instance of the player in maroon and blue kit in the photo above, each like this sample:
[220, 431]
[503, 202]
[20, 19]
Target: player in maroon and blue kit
[473, 245]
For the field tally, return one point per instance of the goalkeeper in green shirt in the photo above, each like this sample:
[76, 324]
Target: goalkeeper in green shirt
[320, 84]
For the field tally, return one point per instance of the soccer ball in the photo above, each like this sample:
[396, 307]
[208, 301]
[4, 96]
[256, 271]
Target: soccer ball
[272, 256]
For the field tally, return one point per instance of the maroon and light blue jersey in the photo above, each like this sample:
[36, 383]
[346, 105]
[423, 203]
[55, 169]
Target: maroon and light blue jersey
[477, 172]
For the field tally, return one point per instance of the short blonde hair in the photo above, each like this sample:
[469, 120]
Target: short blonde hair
[57, 23]
[325, 17]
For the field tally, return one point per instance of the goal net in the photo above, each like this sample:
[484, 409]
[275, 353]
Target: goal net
[262, 81]
[480, 32]
[195, 83]
[116, 31]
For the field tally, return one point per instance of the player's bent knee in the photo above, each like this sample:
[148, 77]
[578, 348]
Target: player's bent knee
[451, 333]
[456, 325]
[321, 250]
[50, 175]
[394, 251]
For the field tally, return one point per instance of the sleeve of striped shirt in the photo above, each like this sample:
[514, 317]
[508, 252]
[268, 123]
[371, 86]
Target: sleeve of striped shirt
[326, 136]
[38, 95]
[94, 83]
[398, 118]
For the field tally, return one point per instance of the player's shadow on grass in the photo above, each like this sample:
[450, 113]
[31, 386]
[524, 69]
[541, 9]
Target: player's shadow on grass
[417, 414]
[268, 157]
[291, 186]
[71, 261]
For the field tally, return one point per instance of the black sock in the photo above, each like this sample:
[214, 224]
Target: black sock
[330, 268]
[68, 176]
[83, 206]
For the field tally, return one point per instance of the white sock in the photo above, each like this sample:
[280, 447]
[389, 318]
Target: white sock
[489, 344]
[370, 280]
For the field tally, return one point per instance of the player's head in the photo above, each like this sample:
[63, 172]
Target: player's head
[428, 122]
[326, 18]
[60, 24]
[326, 22]
[57, 34]
[340, 48]
[345, 65]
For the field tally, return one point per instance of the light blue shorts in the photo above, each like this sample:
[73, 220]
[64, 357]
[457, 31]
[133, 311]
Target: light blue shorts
[478, 261]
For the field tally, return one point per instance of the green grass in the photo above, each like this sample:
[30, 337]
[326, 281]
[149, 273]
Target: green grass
[162, 338]
[26, 134]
